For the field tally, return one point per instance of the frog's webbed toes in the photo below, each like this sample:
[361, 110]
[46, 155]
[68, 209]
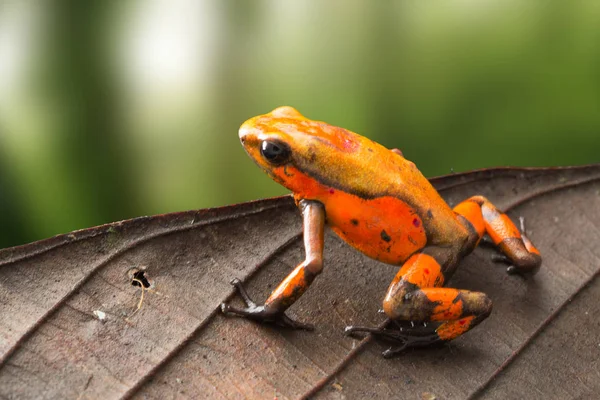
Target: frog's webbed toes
[259, 313]
[405, 338]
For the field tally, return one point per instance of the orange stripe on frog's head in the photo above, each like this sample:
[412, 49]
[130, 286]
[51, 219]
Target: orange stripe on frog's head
[284, 138]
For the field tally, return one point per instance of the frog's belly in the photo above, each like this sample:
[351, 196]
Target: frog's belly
[385, 228]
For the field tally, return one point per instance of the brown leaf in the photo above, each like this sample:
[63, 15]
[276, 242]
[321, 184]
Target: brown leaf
[71, 327]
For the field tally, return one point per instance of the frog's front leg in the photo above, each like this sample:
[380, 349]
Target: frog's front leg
[416, 294]
[296, 283]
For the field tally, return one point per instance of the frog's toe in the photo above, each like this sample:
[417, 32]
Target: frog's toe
[513, 270]
[413, 342]
[243, 293]
[258, 313]
[393, 351]
[405, 338]
[393, 334]
[500, 259]
[352, 330]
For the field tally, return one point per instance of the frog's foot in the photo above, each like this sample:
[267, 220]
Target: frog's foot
[511, 269]
[502, 259]
[407, 339]
[498, 257]
[259, 313]
[516, 251]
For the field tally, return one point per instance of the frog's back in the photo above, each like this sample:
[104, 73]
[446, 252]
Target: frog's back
[379, 178]
[375, 199]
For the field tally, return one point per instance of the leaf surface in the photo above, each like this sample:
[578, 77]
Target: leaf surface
[70, 329]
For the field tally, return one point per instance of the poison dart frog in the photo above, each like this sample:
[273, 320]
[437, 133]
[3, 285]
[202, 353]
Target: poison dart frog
[378, 202]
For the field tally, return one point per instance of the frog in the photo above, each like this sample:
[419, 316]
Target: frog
[379, 203]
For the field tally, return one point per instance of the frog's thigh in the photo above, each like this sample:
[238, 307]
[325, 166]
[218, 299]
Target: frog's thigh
[416, 295]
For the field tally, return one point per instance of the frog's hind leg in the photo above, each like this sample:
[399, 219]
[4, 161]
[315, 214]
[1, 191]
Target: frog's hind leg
[479, 214]
[416, 294]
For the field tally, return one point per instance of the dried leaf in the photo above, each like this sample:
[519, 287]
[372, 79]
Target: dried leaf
[173, 342]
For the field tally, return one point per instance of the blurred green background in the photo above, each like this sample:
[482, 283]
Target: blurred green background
[116, 109]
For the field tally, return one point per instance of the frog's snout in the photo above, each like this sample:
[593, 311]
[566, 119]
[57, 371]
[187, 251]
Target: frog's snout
[246, 132]
[243, 132]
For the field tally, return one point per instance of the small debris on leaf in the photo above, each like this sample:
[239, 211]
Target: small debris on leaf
[101, 315]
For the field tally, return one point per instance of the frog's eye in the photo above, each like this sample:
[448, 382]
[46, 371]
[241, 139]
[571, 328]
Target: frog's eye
[276, 153]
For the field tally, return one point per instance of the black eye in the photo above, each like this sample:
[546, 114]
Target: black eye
[275, 152]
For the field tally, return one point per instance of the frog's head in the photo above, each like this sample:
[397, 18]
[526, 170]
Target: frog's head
[266, 141]
[293, 149]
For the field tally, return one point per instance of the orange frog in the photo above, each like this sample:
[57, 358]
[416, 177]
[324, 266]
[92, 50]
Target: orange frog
[378, 202]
